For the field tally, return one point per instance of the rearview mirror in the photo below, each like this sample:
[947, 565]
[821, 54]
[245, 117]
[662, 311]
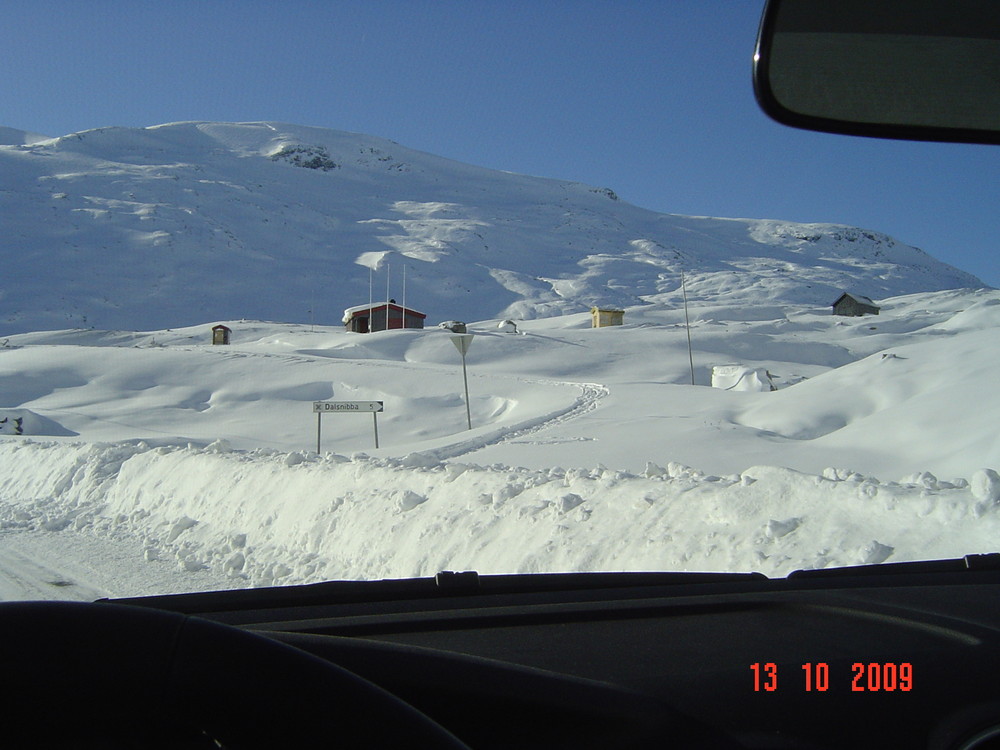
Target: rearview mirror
[915, 69]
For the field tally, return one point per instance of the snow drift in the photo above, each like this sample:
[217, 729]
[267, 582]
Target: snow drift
[267, 518]
[590, 450]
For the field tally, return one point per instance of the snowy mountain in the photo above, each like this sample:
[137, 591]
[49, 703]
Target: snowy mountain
[178, 224]
[138, 457]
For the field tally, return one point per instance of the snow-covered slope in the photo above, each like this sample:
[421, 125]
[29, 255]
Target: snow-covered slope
[15, 137]
[178, 224]
[137, 457]
[590, 449]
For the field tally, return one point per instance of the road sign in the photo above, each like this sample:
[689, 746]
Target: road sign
[341, 407]
[327, 407]
[463, 342]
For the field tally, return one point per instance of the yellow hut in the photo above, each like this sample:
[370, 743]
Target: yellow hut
[606, 316]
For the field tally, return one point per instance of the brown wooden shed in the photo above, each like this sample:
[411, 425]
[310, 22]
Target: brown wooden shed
[220, 334]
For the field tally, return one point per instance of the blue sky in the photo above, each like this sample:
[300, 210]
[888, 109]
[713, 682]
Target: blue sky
[650, 98]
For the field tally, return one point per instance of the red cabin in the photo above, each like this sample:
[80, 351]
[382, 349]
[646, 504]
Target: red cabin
[379, 316]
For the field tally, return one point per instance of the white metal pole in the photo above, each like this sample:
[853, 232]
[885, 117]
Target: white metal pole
[387, 269]
[687, 325]
[465, 377]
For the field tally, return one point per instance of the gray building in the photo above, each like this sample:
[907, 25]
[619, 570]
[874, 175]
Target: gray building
[854, 305]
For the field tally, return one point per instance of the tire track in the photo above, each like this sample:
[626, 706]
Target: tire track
[590, 396]
[27, 571]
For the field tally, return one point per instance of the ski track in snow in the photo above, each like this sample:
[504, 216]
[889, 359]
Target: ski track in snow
[588, 400]
[590, 395]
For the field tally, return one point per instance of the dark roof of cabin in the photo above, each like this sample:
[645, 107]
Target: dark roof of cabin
[350, 312]
[856, 297]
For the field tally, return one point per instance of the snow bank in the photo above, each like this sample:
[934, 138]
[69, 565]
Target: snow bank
[742, 378]
[264, 518]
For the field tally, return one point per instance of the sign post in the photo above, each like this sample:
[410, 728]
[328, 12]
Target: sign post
[340, 407]
[687, 325]
[462, 343]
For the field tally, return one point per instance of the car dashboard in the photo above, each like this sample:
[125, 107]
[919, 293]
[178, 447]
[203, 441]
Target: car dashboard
[902, 655]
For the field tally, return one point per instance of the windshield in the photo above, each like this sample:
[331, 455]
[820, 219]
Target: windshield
[375, 290]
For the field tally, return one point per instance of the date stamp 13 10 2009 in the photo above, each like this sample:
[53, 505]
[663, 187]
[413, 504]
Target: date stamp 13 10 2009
[864, 677]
